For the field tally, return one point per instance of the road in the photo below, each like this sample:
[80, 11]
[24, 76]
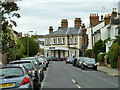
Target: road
[62, 75]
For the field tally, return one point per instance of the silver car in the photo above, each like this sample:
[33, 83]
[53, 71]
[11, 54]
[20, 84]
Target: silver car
[15, 77]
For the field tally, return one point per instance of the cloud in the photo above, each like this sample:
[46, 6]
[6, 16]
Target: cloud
[38, 15]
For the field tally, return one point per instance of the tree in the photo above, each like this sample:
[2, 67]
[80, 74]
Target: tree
[33, 45]
[98, 47]
[113, 53]
[21, 50]
[9, 42]
[88, 53]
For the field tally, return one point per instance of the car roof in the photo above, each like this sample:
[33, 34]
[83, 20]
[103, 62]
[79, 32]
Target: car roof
[21, 61]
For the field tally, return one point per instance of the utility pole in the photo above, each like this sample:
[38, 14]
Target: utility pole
[92, 37]
[28, 43]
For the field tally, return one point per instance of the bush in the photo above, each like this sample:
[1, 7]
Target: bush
[88, 53]
[113, 53]
[100, 57]
[21, 50]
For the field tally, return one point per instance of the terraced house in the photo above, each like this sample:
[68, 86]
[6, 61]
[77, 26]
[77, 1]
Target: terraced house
[66, 41]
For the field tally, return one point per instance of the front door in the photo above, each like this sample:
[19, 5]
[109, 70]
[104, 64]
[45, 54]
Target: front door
[58, 53]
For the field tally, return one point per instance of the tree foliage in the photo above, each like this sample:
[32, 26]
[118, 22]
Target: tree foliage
[88, 53]
[113, 53]
[99, 47]
[9, 39]
[100, 57]
[33, 45]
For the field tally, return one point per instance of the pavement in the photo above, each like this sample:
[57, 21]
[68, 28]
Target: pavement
[62, 75]
[109, 70]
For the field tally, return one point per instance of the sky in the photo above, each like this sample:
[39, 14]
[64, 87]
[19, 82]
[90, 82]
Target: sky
[38, 15]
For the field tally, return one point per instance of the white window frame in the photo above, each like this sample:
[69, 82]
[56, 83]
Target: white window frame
[58, 40]
[70, 40]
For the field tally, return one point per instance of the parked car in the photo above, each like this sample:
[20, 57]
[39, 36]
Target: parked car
[62, 58]
[30, 66]
[79, 61]
[15, 77]
[74, 61]
[53, 58]
[47, 61]
[37, 65]
[69, 60]
[43, 63]
[89, 63]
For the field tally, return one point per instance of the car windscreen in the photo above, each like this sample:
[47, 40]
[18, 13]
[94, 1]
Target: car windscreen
[89, 60]
[27, 65]
[10, 72]
[70, 58]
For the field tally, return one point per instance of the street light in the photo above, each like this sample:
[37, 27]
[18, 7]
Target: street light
[28, 43]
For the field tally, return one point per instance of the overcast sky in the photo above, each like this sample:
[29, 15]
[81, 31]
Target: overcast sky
[38, 15]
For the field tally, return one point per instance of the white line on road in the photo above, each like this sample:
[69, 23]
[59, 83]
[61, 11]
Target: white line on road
[45, 77]
[76, 83]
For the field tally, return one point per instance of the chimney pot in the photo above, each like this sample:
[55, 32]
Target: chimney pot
[113, 9]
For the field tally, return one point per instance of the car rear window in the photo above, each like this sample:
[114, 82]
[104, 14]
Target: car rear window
[10, 72]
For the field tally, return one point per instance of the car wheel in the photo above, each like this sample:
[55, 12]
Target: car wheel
[45, 68]
[95, 68]
[82, 67]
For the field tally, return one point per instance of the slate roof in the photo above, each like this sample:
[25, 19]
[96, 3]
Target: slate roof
[66, 31]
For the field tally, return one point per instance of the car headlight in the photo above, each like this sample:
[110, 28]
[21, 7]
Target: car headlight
[95, 64]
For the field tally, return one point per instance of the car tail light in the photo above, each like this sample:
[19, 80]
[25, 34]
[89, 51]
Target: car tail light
[34, 71]
[43, 62]
[46, 59]
[25, 81]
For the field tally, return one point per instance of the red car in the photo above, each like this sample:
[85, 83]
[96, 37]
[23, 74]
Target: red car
[62, 58]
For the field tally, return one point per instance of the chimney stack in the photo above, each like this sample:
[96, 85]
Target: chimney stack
[77, 22]
[50, 29]
[64, 23]
[107, 19]
[114, 13]
[94, 19]
[20, 34]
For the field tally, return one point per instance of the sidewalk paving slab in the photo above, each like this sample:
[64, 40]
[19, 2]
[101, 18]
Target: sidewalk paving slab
[109, 70]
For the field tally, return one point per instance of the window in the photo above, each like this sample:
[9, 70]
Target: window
[58, 40]
[70, 40]
[63, 40]
[75, 40]
[50, 40]
[54, 40]
[46, 41]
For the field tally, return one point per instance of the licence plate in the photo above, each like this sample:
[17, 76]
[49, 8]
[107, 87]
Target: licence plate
[6, 85]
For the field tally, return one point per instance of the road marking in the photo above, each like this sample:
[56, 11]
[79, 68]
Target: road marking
[101, 78]
[45, 77]
[76, 83]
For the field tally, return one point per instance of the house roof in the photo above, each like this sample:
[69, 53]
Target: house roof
[67, 31]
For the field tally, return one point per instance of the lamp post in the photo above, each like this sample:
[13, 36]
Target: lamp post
[28, 44]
